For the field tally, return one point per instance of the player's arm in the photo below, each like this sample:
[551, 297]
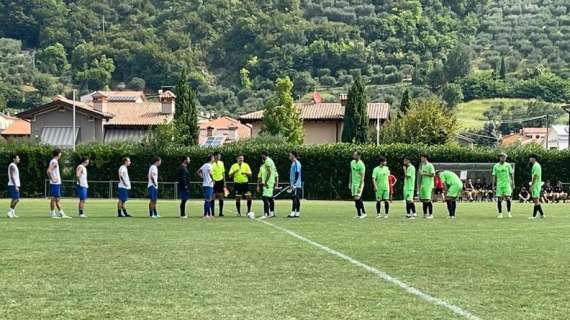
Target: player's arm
[199, 173]
[153, 178]
[362, 180]
[248, 171]
[121, 177]
[13, 177]
[50, 169]
[350, 179]
[78, 172]
[232, 172]
[374, 185]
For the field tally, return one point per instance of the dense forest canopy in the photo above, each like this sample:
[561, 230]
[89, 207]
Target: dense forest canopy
[236, 49]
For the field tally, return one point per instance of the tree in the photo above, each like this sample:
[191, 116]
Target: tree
[281, 116]
[452, 95]
[503, 69]
[404, 103]
[53, 59]
[99, 74]
[244, 78]
[137, 84]
[186, 115]
[427, 122]
[458, 63]
[356, 122]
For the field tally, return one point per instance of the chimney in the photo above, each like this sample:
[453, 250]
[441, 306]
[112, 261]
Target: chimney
[317, 97]
[210, 131]
[100, 101]
[343, 99]
[168, 101]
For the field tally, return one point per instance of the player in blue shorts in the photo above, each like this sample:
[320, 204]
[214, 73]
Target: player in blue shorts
[123, 188]
[205, 172]
[14, 185]
[55, 186]
[82, 186]
[153, 187]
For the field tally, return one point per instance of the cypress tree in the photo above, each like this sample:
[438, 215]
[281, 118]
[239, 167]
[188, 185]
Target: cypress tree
[357, 98]
[186, 114]
[405, 103]
[349, 124]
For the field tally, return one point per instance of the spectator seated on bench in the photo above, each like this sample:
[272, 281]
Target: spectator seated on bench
[558, 193]
[524, 195]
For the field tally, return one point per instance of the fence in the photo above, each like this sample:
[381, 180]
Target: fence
[167, 190]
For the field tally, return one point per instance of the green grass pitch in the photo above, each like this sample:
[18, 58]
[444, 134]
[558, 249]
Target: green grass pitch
[234, 268]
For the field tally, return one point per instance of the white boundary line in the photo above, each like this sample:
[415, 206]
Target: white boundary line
[381, 274]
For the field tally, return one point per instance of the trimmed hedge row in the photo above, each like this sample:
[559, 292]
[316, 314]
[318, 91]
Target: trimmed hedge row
[325, 167]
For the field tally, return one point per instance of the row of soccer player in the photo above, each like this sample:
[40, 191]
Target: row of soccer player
[214, 185]
[212, 173]
[503, 185]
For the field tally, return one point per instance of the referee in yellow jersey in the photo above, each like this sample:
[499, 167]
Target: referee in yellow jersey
[219, 176]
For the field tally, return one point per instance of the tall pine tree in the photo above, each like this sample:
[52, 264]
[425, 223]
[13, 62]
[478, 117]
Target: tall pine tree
[186, 115]
[349, 124]
[405, 103]
[358, 102]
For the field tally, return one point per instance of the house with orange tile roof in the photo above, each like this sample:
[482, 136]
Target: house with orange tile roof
[524, 137]
[322, 122]
[18, 129]
[98, 120]
[228, 129]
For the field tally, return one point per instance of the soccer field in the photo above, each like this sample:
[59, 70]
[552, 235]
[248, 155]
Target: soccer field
[235, 268]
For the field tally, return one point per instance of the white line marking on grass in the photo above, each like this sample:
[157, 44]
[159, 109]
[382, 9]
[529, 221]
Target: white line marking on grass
[381, 274]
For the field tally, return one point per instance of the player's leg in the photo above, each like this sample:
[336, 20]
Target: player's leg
[509, 202]
[499, 205]
[15, 198]
[248, 198]
[183, 200]
[238, 203]
[536, 194]
[221, 197]
[298, 194]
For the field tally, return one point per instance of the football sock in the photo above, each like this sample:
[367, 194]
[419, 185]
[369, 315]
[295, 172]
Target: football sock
[362, 206]
[357, 206]
[377, 207]
[386, 207]
[449, 208]
[182, 208]
[413, 207]
[430, 208]
[540, 210]
[212, 207]
[425, 207]
[238, 206]
[509, 206]
[500, 206]
[119, 212]
[221, 202]
[535, 210]
[249, 205]
[271, 204]
[80, 212]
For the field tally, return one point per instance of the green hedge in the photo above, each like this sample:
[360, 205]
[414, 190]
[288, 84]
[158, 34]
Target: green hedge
[325, 167]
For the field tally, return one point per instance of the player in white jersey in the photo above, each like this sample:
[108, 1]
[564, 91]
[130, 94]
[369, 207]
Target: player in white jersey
[153, 187]
[14, 185]
[81, 185]
[123, 188]
[55, 186]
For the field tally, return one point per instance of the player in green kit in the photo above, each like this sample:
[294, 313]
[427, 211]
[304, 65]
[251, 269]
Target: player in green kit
[427, 174]
[268, 179]
[381, 185]
[409, 188]
[503, 182]
[356, 183]
[452, 186]
[536, 186]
